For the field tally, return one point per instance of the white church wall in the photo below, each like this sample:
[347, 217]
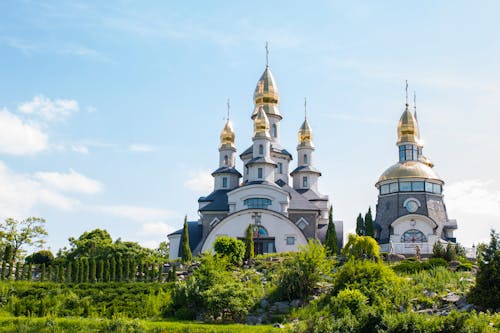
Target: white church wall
[175, 242]
[276, 225]
[279, 198]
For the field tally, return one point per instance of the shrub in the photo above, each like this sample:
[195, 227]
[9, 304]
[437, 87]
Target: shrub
[438, 250]
[361, 247]
[231, 248]
[302, 271]
[41, 257]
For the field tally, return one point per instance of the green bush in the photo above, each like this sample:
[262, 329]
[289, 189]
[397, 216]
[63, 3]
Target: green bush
[361, 247]
[231, 248]
[303, 271]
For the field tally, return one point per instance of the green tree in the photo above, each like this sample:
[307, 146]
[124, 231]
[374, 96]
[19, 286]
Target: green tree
[361, 247]
[107, 271]
[186, 254]
[369, 225]
[486, 293]
[360, 225]
[27, 232]
[163, 251]
[249, 246]
[100, 270]
[42, 276]
[112, 272]
[69, 270]
[7, 258]
[451, 252]
[231, 248]
[331, 242]
[93, 270]
[41, 257]
[18, 271]
[303, 270]
[438, 250]
[119, 269]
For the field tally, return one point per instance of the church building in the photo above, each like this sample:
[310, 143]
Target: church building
[411, 215]
[284, 213]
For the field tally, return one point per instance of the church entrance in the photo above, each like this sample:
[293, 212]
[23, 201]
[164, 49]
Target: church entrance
[262, 243]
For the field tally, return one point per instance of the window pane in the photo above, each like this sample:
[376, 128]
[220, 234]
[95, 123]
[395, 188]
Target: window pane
[262, 203]
[224, 182]
[384, 189]
[428, 187]
[436, 188]
[405, 186]
[393, 187]
[259, 172]
[417, 186]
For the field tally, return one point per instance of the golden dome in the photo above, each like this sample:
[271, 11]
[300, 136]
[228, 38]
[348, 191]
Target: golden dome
[227, 135]
[409, 169]
[261, 124]
[266, 94]
[305, 135]
[408, 131]
[426, 161]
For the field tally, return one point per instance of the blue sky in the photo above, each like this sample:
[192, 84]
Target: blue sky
[110, 112]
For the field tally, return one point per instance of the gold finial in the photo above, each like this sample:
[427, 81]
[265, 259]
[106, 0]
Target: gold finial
[406, 89]
[228, 107]
[261, 124]
[227, 134]
[267, 54]
[415, 104]
[305, 107]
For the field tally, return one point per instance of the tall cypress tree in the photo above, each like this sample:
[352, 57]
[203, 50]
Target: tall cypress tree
[331, 243]
[249, 246]
[107, 271]
[360, 225]
[100, 275]
[126, 267]
[112, 272]
[93, 271]
[42, 276]
[369, 226]
[186, 254]
[119, 269]
[69, 271]
[18, 271]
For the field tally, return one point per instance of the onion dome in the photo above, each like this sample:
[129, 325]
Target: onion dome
[409, 169]
[408, 131]
[305, 135]
[261, 124]
[426, 161]
[266, 94]
[227, 136]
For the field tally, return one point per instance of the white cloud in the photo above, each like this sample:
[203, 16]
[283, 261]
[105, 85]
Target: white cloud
[49, 110]
[152, 244]
[141, 148]
[20, 193]
[137, 213]
[81, 149]
[69, 182]
[200, 181]
[18, 137]
[157, 228]
[473, 196]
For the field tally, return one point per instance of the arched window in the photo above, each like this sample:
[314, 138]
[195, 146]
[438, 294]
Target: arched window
[226, 160]
[259, 173]
[261, 150]
[413, 236]
[262, 203]
[304, 182]
[274, 131]
[305, 159]
[224, 182]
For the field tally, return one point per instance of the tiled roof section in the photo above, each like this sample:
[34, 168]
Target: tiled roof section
[297, 201]
[339, 228]
[226, 170]
[217, 199]
[315, 196]
[274, 148]
[195, 232]
[305, 168]
[260, 159]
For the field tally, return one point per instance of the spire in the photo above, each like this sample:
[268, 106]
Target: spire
[261, 124]
[305, 131]
[227, 134]
[408, 131]
[415, 104]
[266, 92]
[267, 55]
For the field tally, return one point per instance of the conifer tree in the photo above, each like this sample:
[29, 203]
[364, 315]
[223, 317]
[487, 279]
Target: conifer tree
[107, 271]
[132, 269]
[69, 270]
[112, 272]
[186, 254]
[26, 273]
[331, 243]
[119, 269]
[126, 268]
[249, 246]
[30, 272]
[369, 225]
[42, 276]
[93, 271]
[18, 271]
[50, 272]
[100, 275]
[86, 270]
[360, 225]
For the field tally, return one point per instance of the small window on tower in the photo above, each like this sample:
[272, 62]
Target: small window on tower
[280, 168]
[224, 182]
[259, 173]
[246, 170]
[274, 131]
[305, 159]
[261, 149]
[226, 160]
[304, 181]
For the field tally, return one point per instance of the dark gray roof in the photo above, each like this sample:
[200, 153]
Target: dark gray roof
[260, 159]
[226, 170]
[217, 199]
[195, 232]
[305, 168]
[339, 229]
[297, 201]
[274, 148]
[313, 194]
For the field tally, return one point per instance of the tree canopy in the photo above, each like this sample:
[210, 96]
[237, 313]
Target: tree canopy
[18, 234]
